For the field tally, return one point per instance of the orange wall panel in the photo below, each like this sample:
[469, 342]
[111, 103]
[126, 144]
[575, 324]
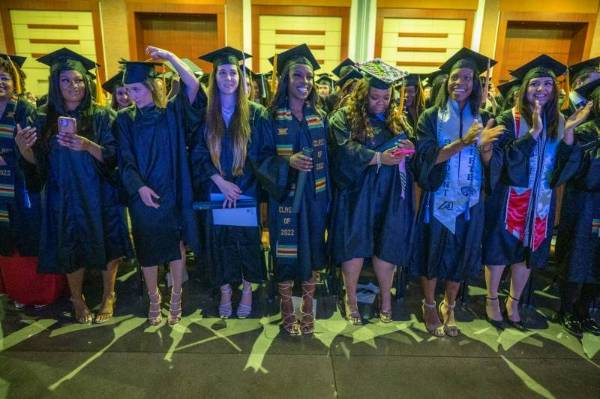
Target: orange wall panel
[562, 6]
[440, 4]
[319, 3]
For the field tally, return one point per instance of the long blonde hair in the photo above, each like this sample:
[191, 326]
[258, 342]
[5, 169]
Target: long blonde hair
[158, 94]
[240, 125]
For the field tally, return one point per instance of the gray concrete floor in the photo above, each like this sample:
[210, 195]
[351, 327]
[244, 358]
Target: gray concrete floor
[44, 355]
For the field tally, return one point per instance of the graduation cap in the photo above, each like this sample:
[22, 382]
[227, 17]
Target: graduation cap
[413, 79]
[350, 72]
[205, 78]
[324, 78]
[225, 55]
[544, 65]
[195, 68]
[138, 71]
[583, 67]
[505, 87]
[381, 75]
[16, 59]
[433, 76]
[587, 89]
[343, 67]
[296, 55]
[467, 58]
[65, 59]
[111, 84]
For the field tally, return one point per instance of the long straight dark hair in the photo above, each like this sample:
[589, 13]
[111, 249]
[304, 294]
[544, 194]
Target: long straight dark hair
[475, 96]
[551, 109]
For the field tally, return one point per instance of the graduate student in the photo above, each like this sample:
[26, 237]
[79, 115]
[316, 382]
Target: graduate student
[119, 97]
[373, 201]
[536, 153]
[295, 151]
[154, 168]
[508, 91]
[73, 150]
[454, 140]
[348, 75]
[414, 102]
[229, 142]
[578, 240]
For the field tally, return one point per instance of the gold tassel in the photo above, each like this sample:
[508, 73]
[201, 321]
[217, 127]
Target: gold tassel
[487, 84]
[566, 101]
[17, 75]
[100, 99]
[402, 99]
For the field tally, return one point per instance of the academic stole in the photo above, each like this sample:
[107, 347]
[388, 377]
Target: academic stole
[528, 208]
[286, 243]
[7, 151]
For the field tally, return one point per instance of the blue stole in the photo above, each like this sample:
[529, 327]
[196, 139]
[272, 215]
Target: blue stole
[462, 184]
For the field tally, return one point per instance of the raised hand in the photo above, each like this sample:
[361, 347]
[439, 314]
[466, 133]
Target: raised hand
[473, 133]
[157, 53]
[579, 116]
[148, 197]
[490, 133]
[536, 117]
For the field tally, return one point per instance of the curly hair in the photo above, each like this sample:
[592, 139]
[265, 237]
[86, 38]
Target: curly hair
[240, 125]
[11, 68]
[551, 109]
[358, 115]
[344, 93]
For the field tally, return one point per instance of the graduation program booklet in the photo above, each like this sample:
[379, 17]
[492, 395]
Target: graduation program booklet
[240, 216]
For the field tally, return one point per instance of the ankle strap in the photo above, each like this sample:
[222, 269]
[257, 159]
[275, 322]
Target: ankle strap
[513, 298]
[226, 289]
[448, 305]
[430, 306]
[491, 299]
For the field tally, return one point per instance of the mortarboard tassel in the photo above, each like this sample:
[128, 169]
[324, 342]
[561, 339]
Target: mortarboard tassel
[274, 76]
[566, 101]
[244, 72]
[17, 75]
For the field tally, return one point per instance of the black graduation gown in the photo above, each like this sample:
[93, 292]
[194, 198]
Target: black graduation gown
[152, 152]
[578, 241]
[277, 178]
[233, 253]
[22, 233]
[510, 167]
[436, 252]
[83, 223]
[369, 215]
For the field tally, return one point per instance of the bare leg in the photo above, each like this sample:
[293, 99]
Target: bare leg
[385, 276]
[430, 314]
[177, 269]
[151, 279]
[245, 307]
[108, 296]
[447, 308]
[518, 280]
[493, 275]
[307, 324]
[75, 280]
[351, 272]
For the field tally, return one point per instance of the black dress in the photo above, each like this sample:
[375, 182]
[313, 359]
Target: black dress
[372, 212]
[232, 253]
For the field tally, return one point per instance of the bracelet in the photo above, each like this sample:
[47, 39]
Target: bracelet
[378, 160]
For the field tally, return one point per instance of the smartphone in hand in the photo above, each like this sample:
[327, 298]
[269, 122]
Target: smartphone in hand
[67, 125]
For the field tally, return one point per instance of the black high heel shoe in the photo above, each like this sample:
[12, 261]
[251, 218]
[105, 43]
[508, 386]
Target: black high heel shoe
[498, 324]
[517, 325]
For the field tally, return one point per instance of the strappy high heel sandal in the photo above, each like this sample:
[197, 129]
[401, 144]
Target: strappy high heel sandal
[307, 324]
[289, 323]
[175, 308]
[437, 329]
[244, 310]
[385, 316]
[154, 312]
[498, 324]
[450, 327]
[516, 324]
[225, 309]
[105, 316]
[352, 315]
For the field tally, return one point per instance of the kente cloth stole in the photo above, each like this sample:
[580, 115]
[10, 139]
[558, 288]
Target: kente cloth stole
[286, 141]
[462, 185]
[528, 208]
[7, 151]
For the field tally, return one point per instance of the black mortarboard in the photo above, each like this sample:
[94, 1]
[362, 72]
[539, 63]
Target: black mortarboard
[16, 59]
[111, 84]
[381, 75]
[544, 65]
[225, 55]
[205, 78]
[433, 75]
[467, 58]
[587, 66]
[296, 55]
[65, 60]
[138, 71]
[349, 72]
[586, 90]
[505, 87]
[342, 67]
[324, 78]
[413, 79]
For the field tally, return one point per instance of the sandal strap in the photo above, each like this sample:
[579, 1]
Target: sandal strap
[491, 299]
[430, 306]
[512, 298]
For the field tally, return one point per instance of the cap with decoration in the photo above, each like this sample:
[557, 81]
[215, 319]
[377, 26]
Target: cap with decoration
[381, 75]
